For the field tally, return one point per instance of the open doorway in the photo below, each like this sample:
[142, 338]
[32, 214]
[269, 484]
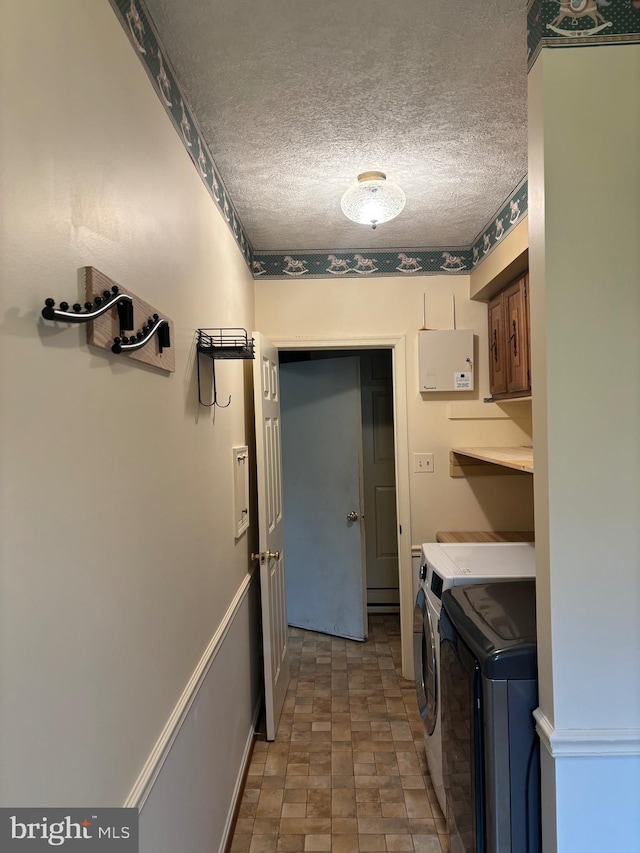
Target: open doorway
[397, 344]
[341, 564]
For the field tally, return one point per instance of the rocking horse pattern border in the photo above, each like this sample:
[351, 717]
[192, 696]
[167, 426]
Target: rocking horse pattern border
[573, 23]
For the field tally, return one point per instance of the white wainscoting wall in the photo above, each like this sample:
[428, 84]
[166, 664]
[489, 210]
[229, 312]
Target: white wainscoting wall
[189, 787]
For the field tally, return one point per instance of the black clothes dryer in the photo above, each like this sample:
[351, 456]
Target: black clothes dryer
[491, 759]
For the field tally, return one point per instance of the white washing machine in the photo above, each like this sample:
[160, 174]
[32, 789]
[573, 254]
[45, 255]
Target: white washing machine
[441, 567]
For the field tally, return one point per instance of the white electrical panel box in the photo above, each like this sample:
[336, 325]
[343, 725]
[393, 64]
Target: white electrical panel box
[446, 360]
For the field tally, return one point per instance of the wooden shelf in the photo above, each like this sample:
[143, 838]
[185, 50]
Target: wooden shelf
[526, 398]
[465, 461]
[463, 536]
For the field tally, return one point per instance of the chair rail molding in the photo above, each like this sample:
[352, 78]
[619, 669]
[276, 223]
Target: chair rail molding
[594, 743]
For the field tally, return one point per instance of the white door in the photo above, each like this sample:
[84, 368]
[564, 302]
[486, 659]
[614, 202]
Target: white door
[270, 530]
[322, 463]
[379, 477]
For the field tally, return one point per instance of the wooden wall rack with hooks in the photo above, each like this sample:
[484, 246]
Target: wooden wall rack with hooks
[107, 328]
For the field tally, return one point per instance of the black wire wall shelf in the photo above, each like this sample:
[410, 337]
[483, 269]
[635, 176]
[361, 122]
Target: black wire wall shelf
[221, 343]
[225, 343]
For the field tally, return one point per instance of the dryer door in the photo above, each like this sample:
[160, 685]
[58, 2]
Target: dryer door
[419, 614]
[424, 651]
[430, 669]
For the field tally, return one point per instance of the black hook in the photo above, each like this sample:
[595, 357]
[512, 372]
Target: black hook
[215, 388]
[125, 315]
[142, 338]
[164, 336]
[95, 309]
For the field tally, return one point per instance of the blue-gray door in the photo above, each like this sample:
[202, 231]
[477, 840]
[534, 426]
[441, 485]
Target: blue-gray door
[323, 526]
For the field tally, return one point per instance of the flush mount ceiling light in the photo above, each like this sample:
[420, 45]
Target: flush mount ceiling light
[372, 200]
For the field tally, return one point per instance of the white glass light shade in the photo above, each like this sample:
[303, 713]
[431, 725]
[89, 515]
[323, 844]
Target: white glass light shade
[372, 200]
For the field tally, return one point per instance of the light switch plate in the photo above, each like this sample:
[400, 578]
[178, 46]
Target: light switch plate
[423, 463]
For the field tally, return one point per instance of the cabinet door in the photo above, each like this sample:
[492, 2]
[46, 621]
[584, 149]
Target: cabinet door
[517, 336]
[497, 346]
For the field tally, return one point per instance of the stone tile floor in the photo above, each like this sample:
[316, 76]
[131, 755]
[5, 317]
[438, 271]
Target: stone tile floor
[347, 772]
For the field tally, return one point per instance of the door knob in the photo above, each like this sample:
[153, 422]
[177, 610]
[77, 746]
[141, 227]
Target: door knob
[353, 516]
[263, 556]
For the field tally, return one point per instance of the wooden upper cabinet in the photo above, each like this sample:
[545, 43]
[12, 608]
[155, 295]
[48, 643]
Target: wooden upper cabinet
[517, 355]
[497, 366]
[509, 372]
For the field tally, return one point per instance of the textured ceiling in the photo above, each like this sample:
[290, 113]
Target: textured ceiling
[295, 98]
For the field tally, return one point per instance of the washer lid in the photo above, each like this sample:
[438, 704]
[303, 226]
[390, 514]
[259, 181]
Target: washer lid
[497, 621]
[484, 560]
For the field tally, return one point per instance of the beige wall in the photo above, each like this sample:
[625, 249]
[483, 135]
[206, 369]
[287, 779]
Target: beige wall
[117, 550]
[586, 349]
[585, 313]
[390, 306]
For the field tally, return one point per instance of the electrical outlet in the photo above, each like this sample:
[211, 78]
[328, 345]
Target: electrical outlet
[423, 463]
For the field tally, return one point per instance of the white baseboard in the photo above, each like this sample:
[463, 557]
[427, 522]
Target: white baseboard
[237, 791]
[573, 743]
